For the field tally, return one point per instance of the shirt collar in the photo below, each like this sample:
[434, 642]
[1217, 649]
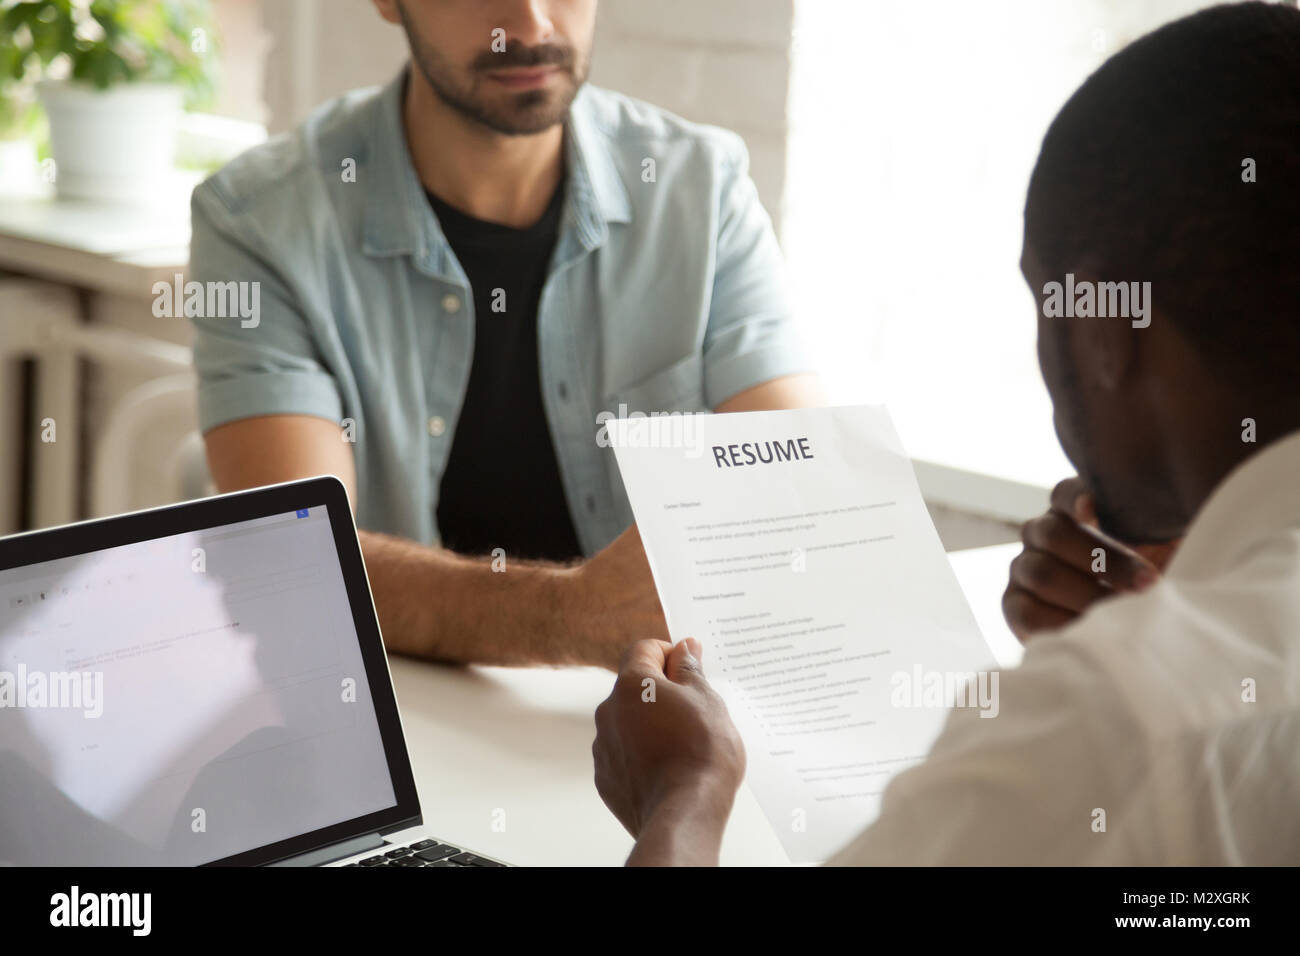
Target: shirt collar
[398, 220]
[1258, 498]
[597, 194]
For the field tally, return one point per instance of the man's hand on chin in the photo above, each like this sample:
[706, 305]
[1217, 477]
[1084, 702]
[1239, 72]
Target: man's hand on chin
[668, 758]
[1057, 577]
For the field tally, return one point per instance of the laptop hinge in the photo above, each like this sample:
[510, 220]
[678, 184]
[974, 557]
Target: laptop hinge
[335, 851]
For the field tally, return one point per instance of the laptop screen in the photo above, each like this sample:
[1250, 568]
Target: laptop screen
[185, 698]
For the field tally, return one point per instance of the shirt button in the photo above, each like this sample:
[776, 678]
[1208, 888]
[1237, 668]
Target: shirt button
[450, 303]
[437, 426]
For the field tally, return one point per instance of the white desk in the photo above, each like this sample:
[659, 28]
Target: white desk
[491, 743]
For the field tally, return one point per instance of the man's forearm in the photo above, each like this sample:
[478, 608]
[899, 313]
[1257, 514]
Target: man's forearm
[436, 604]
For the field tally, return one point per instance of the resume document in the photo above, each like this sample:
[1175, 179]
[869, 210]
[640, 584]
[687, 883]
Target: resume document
[796, 547]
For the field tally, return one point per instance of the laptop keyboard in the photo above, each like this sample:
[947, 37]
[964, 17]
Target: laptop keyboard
[426, 853]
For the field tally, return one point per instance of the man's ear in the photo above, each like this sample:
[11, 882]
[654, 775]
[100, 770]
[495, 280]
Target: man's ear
[388, 10]
[1108, 347]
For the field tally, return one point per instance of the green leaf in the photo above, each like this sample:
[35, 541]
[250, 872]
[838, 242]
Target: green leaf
[108, 41]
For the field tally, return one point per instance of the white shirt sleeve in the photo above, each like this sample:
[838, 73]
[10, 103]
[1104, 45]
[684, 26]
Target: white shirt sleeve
[1031, 785]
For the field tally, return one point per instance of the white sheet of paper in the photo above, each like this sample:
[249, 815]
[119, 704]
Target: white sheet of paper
[816, 582]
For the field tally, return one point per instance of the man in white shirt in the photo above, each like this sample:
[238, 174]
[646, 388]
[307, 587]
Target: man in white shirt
[1163, 725]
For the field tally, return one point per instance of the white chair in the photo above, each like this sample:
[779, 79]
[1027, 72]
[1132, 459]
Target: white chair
[41, 321]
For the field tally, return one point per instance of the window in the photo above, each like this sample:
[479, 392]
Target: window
[913, 131]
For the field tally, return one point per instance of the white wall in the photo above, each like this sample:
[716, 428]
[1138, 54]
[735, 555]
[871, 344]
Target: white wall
[321, 48]
[725, 62]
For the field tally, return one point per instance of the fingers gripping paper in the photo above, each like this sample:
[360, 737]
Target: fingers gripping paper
[796, 546]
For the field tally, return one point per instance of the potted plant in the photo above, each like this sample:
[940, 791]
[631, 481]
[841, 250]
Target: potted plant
[18, 115]
[113, 77]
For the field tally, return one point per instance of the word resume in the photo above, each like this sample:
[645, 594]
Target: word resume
[796, 547]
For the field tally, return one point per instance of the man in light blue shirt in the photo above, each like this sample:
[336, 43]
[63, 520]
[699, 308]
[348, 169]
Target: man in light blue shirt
[621, 263]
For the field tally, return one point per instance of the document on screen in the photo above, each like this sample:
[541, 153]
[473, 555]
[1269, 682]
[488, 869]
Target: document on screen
[796, 547]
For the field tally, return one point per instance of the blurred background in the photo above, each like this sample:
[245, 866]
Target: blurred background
[891, 142]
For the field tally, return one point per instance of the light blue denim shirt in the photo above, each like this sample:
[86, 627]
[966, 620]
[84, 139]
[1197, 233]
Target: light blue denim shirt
[664, 293]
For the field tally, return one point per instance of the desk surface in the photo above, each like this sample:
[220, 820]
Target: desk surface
[502, 756]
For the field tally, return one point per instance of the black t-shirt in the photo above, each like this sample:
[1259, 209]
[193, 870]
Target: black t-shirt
[501, 487]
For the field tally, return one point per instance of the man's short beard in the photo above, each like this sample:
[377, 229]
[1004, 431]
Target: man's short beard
[528, 112]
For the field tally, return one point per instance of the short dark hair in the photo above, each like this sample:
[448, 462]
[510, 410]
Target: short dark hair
[1140, 178]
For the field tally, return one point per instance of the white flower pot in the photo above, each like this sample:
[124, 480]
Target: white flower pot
[115, 144]
[17, 166]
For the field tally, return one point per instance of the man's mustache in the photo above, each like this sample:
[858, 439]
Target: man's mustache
[548, 54]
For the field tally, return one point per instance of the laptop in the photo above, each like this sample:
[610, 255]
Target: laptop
[203, 684]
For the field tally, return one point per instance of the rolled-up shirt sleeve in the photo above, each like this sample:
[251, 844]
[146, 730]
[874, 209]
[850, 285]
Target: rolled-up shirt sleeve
[751, 336]
[263, 364]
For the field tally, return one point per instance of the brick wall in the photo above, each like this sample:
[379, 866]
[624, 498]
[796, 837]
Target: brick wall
[725, 62]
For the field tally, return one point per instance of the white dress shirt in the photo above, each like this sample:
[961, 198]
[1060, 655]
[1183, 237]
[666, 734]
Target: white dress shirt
[1175, 711]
